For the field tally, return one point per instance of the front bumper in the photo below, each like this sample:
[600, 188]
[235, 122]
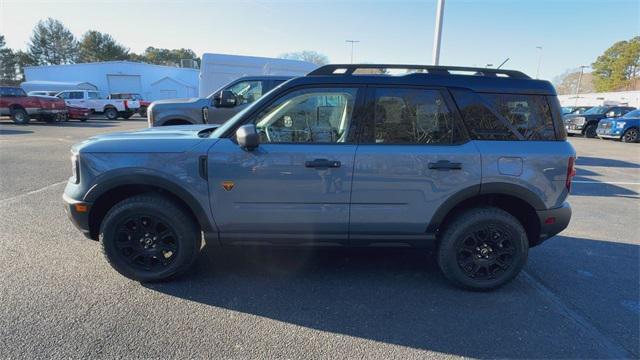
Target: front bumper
[609, 133]
[553, 221]
[574, 129]
[78, 213]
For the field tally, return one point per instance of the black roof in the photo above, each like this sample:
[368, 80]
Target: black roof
[476, 79]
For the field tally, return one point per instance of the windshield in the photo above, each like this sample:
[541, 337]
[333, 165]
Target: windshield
[632, 114]
[596, 110]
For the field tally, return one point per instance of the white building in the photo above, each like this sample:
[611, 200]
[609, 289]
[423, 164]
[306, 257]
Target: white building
[627, 98]
[153, 82]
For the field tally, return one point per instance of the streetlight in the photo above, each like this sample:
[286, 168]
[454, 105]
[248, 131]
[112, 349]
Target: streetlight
[437, 34]
[352, 43]
[539, 60]
[582, 67]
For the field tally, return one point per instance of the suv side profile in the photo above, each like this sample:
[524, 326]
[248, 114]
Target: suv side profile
[472, 161]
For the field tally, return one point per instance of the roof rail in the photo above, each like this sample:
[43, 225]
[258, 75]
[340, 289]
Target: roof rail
[350, 69]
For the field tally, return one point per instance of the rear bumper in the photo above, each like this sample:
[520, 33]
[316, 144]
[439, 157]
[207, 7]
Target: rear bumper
[78, 213]
[553, 221]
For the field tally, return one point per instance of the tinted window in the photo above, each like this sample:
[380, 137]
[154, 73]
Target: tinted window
[316, 115]
[412, 116]
[247, 91]
[11, 92]
[529, 114]
[480, 121]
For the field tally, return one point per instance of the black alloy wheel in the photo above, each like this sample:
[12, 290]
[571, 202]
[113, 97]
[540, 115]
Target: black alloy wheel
[486, 252]
[146, 242]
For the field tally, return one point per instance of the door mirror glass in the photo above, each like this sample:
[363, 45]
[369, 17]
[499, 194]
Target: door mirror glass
[227, 99]
[247, 137]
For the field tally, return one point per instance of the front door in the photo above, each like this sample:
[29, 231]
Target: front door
[295, 187]
[413, 156]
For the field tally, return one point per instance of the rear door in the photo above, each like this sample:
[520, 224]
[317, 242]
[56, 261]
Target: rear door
[413, 156]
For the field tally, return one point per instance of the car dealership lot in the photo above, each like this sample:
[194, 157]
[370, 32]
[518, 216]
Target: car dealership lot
[578, 295]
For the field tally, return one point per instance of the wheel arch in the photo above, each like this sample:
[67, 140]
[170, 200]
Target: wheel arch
[111, 191]
[514, 199]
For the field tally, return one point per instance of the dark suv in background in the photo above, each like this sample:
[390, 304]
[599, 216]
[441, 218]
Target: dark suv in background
[217, 107]
[473, 162]
[586, 123]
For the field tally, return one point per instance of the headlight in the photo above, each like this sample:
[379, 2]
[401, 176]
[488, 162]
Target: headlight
[75, 168]
[620, 124]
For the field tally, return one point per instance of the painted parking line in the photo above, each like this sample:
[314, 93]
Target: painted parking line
[605, 182]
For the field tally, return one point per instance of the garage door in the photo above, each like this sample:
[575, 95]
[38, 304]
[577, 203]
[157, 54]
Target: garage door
[124, 84]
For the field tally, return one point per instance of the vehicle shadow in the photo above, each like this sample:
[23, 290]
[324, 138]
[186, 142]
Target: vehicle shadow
[586, 183]
[395, 296]
[4, 131]
[595, 161]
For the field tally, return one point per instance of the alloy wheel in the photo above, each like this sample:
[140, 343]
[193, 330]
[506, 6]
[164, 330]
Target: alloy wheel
[146, 242]
[486, 252]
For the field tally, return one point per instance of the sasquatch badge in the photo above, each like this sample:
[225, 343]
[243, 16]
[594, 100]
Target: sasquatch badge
[227, 185]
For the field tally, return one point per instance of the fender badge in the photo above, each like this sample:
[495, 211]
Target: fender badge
[227, 185]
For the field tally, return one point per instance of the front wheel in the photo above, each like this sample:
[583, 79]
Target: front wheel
[632, 135]
[590, 131]
[111, 113]
[149, 238]
[482, 249]
[20, 116]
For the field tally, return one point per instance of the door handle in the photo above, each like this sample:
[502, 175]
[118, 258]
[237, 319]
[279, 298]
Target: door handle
[445, 165]
[322, 164]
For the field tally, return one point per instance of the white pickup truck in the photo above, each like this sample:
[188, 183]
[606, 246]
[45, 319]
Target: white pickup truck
[112, 108]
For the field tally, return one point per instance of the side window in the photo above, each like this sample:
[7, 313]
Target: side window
[313, 115]
[247, 91]
[92, 95]
[479, 120]
[64, 95]
[529, 114]
[76, 95]
[412, 116]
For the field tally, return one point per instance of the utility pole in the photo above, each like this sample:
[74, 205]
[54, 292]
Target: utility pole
[437, 34]
[352, 44]
[539, 60]
[582, 67]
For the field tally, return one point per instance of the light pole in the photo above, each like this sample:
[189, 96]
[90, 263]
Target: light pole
[539, 60]
[437, 34]
[582, 67]
[352, 44]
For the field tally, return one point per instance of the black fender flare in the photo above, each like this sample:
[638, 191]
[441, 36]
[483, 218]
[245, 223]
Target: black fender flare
[493, 188]
[134, 177]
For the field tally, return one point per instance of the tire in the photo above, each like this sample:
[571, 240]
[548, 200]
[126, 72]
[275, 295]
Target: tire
[111, 113]
[163, 247]
[472, 259]
[143, 111]
[632, 135]
[20, 116]
[590, 131]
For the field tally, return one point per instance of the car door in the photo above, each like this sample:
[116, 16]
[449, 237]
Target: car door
[295, 187]
[246, 91]
[413, 156]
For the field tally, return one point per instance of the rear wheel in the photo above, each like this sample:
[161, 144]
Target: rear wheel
[631, 135]
[111, 113]
[149, 238]
[483, 248]
[20, 116]
[590, 131]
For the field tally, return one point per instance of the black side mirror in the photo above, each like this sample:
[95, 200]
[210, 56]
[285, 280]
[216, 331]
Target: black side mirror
[227, 99]
[248, 137]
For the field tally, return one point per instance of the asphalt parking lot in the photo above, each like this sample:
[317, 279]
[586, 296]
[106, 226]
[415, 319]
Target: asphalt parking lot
[578, 296]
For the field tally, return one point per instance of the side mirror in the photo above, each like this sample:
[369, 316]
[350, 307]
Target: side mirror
[248, 137]
[227, 99]
[611, 114]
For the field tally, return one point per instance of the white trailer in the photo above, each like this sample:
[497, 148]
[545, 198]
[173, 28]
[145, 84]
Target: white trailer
[218, 70]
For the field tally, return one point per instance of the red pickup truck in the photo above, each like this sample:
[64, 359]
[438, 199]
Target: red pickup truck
[22, 108]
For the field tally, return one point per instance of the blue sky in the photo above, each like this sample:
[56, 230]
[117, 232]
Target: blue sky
[480, 32]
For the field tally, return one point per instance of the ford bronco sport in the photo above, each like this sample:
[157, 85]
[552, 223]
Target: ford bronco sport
[473, 161]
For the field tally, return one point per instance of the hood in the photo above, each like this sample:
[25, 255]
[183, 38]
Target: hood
[163, 139]
[590, 116]
[178, 101]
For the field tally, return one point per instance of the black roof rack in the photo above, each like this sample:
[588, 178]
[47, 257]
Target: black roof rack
[350, 69]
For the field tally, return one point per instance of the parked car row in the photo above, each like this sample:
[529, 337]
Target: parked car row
[22, 108]
[597, 121]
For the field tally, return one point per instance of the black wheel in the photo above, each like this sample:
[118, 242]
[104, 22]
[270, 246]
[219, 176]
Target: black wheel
[111, 113]
[149, 238]
[482, 249]
[631, 135]
[20, 116]
[590, 131]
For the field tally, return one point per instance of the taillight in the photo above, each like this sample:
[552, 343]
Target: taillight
[571, 172]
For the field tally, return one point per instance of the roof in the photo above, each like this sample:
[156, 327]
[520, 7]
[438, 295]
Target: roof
[67, 83]
[110, 62]
[476, 79]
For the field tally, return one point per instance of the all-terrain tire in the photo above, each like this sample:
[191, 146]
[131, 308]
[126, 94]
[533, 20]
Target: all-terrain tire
[462, 250]
[130, 245]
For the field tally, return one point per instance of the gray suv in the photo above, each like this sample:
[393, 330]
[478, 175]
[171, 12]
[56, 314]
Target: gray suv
[217, 107]
[472, 162]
